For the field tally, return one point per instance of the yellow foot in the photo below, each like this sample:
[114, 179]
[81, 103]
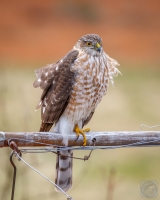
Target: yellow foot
[79, 132]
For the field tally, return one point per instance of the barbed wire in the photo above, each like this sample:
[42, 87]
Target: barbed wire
[54, 148]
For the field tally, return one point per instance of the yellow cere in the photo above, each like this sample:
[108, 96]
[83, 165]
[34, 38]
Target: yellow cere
[98, 45]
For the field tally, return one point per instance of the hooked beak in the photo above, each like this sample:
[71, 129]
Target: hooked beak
[98, 47]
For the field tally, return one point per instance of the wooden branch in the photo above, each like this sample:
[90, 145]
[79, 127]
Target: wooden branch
[23, 139]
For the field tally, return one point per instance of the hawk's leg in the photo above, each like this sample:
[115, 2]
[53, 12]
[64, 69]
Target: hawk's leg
[79, 131]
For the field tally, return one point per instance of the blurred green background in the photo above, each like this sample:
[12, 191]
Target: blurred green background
[35, 33]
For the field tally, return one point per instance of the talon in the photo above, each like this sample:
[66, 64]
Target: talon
[78, 132]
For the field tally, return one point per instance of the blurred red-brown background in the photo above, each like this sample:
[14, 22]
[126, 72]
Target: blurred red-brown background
[46, 30]
[35, 33]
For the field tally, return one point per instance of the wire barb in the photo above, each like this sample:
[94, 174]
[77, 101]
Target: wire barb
[14, 147]
[94, 143]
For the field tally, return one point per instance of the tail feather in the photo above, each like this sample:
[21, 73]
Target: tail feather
[64, 170]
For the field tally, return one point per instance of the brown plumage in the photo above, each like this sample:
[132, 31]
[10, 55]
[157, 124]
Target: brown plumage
[56, 80]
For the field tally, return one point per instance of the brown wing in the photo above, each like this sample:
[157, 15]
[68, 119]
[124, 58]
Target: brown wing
[57, 81]
[86, 121]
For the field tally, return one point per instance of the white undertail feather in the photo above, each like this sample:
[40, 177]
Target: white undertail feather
[65, 127]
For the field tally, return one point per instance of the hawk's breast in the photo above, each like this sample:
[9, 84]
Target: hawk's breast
[90, 86]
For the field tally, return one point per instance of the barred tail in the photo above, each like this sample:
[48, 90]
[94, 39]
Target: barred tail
[64, 170]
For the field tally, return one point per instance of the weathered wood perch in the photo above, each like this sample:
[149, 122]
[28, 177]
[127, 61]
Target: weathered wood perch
[23, 139]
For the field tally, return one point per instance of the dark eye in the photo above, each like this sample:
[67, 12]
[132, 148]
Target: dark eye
[89, 43]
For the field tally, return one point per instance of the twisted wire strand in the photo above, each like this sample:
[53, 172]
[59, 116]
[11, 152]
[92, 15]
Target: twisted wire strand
[91, 148]
[158, 125]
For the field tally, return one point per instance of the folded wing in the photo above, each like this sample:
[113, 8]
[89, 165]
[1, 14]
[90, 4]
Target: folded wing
[56, 81]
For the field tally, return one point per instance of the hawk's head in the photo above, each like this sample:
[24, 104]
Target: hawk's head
[91, 44]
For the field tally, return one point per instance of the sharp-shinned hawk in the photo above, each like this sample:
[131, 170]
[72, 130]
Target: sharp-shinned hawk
[72, 89]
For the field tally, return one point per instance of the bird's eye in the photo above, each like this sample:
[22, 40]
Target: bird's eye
[89, 43]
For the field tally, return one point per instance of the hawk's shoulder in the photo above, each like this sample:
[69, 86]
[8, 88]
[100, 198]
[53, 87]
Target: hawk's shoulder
[46, 74]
